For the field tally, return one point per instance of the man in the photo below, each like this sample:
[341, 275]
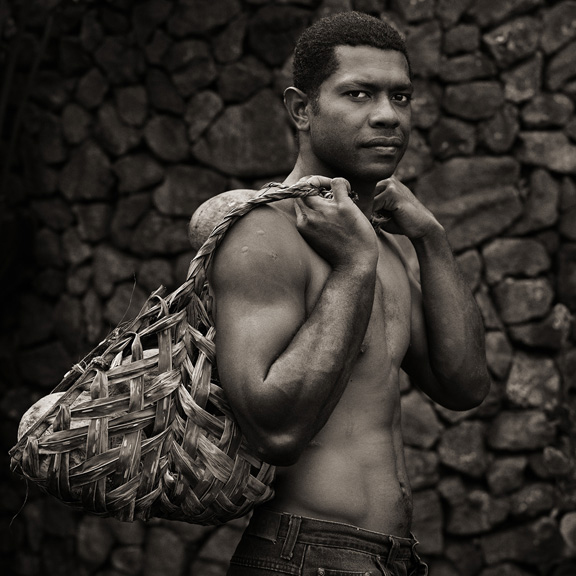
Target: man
[316, 314]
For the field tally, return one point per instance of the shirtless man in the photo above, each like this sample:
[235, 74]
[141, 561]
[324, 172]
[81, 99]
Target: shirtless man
[316, 314]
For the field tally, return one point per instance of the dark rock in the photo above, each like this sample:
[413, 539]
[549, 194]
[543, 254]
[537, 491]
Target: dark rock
[422, 467]
[552, 462]
[128, 559]
[538, 543]
[466, 556]
[452, 489]
[514, 257]
[533, 382]
[428, 522]
[459, 176]
[154, 272]
[426, 103]
[470, 265]
[93, 315]
[148, 16]
[115, 136]
[132, 104]
[193, 65]
[490, 12]
[201, 111]
[158, 47]
[87, 175]
[416, 160]
[129, 211]
[36, 323]
[560, 69]
[238, 81]
[125, 303]
[552, 332]
[228, 45]
[200, 16]
[466, 68]
[137, 172]
[452, 137]
[526, 430]
[473, 218]
[498, 354]
[523, 82]
[513, 41]
[94, 541]
[450, 11]
[541, 207]
[499, 132]
[414, 11]
[567, 366]
[568, 224]
[114, 21]
[93, 221]
[273, 31]
[567, 194]
[558, 26]
[533, 500]
[166, 137]
[551, 150]
[567, 275]
[50, 90]
[424, 43]
[547, 111]
[185, 188]
[47, 249]
[68, 323]
[73, 60]
[165, 553]
[523, 300]
[76, 123]
[162, 93]
[506, 474]
[237, 144]
[79, 280]
[159, 235]
[489, 315]
[461, 38]
[420, 425]
[55, 213]
[45, 365]
[505, 569]
[474, 100]
[478, 514]
[568, 530]
[462, 448]
[50, 282]
[50, 141]
[91, 89]
[91, 34]
[111, 267]
[73, 249]
[121, 62]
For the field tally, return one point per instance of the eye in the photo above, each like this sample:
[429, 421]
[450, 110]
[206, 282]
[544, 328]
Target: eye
[358, 94]
[402, 98]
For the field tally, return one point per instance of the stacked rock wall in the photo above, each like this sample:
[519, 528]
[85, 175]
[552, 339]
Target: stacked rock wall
[119, 118]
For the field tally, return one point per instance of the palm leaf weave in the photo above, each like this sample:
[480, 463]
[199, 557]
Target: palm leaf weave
[161, 439]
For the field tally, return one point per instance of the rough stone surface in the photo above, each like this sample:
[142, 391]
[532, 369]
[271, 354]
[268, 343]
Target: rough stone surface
[166, 137]
[137, 172]
[558, 26]
[567, 275]
[551, 150]
[498, 353]
[524, 299]
[514, 40]
[514, 257]
[132, 104]
[461, 38]
[422, 467]
[506, 474]
[533, 382]
[552, 332]
[462, 448]
[522, 82]
[428, 518]
[474, 100]
[547, 111]
[452, 137]
[494, 11]
[424, 44]
[527, 430]
[533, 500]
[559, 69]
[420, 426]
[201, 111]
[499, 132]
[479, 513]
[236, 145]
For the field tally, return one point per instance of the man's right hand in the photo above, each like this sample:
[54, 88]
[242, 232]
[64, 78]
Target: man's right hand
[335, 228]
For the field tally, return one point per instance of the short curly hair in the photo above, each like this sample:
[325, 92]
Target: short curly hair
[314, 56]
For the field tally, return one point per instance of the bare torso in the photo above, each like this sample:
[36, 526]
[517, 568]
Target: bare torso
[353, 471]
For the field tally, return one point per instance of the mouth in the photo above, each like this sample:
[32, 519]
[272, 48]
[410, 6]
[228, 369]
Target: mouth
[384, 143]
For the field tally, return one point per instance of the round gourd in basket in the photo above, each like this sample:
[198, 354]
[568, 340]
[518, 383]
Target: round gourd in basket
[141, 427]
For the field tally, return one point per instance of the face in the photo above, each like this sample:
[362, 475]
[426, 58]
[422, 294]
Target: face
[360, 127]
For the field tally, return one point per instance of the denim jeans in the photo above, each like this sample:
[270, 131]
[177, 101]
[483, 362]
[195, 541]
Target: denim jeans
[276, 543]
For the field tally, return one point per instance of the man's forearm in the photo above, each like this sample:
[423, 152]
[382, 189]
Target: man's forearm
[454, 326]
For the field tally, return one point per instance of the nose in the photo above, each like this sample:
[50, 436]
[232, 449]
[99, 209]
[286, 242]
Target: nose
[384, 114]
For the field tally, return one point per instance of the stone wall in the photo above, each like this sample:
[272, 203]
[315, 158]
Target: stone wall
[124, 116]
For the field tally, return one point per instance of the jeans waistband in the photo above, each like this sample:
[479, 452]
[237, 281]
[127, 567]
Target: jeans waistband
[290, 528]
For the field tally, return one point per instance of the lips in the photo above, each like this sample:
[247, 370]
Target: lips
[383, 143]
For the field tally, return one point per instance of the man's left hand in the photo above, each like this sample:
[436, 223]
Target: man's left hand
[405, 214]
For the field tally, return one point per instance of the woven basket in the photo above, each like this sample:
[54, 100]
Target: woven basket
[161, 439]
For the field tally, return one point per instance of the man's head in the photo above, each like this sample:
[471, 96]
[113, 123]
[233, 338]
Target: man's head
[315, 57]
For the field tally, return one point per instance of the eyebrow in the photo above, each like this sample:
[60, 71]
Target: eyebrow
[374, 86]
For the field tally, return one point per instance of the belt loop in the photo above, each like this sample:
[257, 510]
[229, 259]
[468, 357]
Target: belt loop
[291, 537]
[394, 547]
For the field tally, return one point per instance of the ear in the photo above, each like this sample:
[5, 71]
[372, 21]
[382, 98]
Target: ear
[296, 103]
